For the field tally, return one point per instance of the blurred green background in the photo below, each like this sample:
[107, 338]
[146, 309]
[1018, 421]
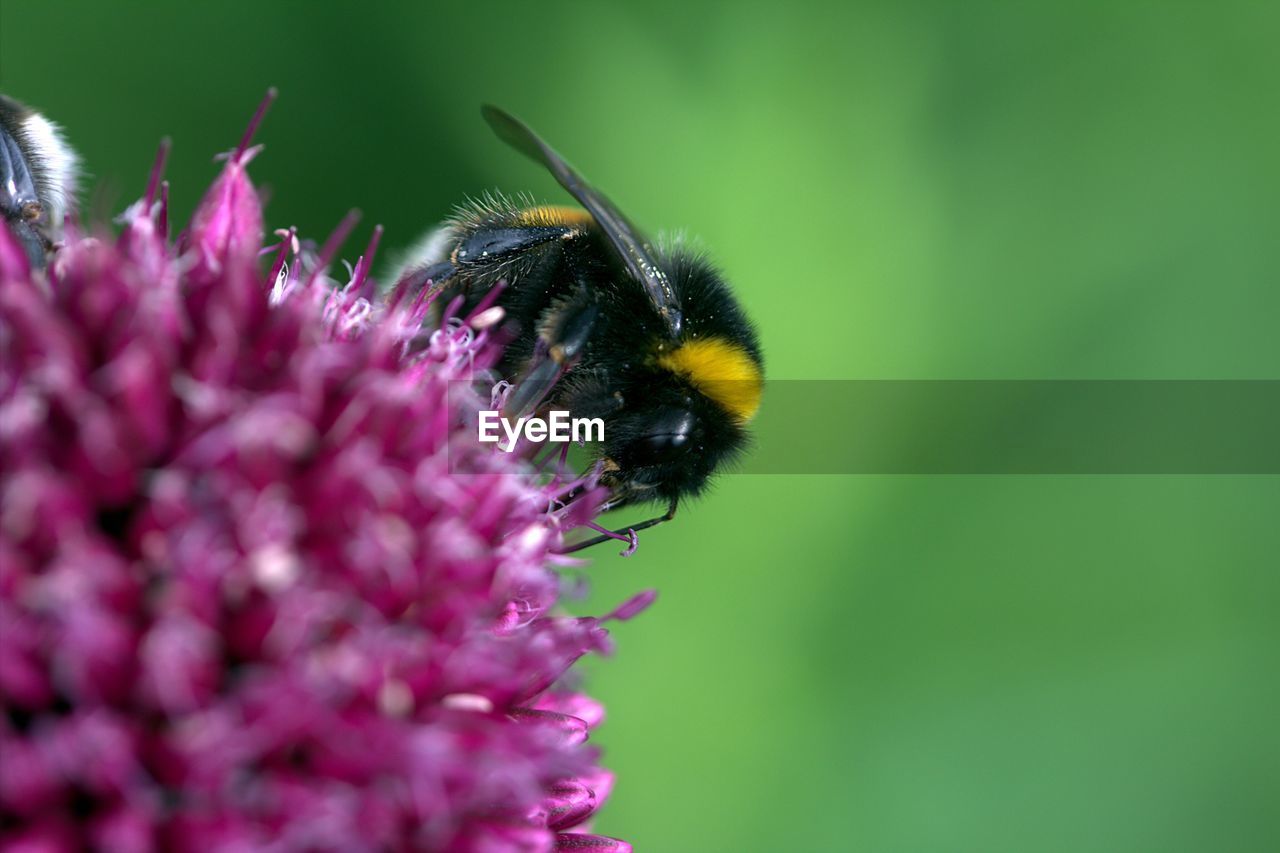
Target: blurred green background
[898, 190]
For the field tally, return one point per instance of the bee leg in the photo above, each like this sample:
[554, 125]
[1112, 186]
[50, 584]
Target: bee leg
[626, 533]
[560, 344]
[432, 278]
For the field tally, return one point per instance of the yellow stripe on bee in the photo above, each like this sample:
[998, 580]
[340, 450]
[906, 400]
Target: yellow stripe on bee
[554, 214]
[721, 370]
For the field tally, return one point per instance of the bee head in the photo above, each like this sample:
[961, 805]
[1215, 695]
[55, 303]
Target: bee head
[666, 441]
[38, 176]
[677, 413]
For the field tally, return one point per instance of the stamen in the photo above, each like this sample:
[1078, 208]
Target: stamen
[486, 301]
[366, 260]
[498, 394]
[331, 246]
[402, 287]
[633, 606]
[487, 318]
[286, 243]
[162, 215]
[451, 310]
[157, 171]
[540, 465]
[563, 463]
[632, 537]
[253, 124]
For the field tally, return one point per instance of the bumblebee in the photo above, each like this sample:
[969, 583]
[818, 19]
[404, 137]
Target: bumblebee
[38, 176]
[647, 337]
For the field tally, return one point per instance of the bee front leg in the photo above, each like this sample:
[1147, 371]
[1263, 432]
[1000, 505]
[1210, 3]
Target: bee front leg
[625, 534]
[564, 332]
[424, 282]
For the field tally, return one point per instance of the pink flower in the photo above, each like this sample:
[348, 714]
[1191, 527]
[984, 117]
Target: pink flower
[259, 584]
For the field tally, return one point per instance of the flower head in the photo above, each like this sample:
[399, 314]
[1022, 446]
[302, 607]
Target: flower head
[258, 582]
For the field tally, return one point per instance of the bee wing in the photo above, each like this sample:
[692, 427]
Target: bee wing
[621, 233]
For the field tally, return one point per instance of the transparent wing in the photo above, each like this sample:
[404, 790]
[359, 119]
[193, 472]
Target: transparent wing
[624, 237]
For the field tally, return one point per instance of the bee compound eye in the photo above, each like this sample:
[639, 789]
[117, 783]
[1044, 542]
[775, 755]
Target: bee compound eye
[668, 437]
[658, 448]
